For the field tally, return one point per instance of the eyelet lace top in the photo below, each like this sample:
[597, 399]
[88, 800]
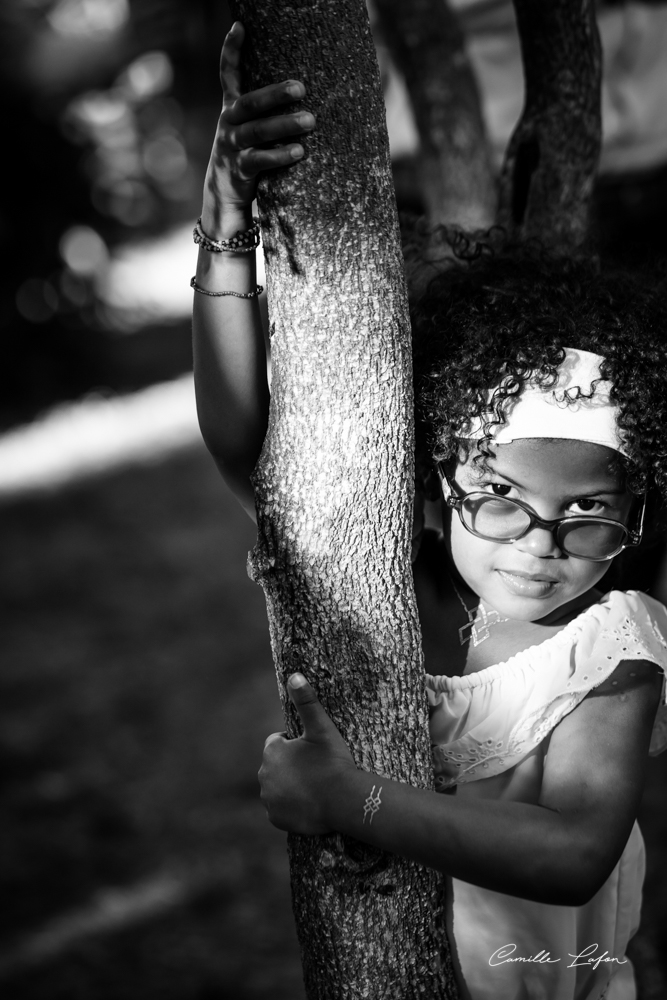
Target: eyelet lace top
[486, 722]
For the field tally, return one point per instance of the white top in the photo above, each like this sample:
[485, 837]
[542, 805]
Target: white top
[485, 723]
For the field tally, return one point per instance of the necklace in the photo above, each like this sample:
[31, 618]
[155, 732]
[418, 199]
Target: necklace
[478, 624]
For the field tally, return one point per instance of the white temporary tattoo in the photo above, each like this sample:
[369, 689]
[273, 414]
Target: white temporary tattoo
[372, 804]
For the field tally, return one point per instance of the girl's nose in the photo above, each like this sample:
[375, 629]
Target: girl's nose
[539, 542]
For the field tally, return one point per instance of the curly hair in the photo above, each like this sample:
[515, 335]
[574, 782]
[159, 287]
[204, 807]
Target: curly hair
[501, 311]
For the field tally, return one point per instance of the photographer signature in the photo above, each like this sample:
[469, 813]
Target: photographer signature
[588, 956]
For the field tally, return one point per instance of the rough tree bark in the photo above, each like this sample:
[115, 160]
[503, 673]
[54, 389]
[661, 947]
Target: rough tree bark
[550, 164]
[334, 491]
[427, 45]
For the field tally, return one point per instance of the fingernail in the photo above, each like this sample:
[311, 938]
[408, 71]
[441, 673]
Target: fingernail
[295, 90]
[306, 121]
[296, 152]
[297, 681]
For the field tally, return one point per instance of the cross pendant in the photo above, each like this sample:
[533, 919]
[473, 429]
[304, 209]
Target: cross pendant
[479, 626]
[473, 632]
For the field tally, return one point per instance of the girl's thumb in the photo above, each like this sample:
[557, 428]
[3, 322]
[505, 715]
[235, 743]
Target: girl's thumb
[315, 720]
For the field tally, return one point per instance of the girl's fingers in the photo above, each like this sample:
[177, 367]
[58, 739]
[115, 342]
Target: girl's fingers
[230, 58]
[257, 103]
[246, 123]
[265, 130]
[252, 161]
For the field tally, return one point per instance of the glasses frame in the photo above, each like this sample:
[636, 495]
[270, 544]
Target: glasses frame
[633, 536]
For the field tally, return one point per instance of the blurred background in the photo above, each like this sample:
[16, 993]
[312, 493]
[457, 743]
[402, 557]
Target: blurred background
[136, 686]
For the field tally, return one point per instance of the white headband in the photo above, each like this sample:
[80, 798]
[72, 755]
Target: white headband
[564, 410]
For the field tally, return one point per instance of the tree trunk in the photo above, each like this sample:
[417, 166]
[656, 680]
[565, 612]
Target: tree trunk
[550, 163]
[334, 491]
[427, 45]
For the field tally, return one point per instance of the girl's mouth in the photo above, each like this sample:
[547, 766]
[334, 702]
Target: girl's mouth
[525, 585]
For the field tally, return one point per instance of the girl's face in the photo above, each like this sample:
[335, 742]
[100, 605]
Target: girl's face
[530, 578]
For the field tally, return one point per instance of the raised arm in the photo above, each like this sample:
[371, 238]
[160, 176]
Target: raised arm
[228, 340]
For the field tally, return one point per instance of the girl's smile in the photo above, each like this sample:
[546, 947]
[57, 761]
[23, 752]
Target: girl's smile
[527, 584]
[531, 578]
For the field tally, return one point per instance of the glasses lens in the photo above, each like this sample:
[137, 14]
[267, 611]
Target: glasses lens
[591, 539]
[494, 517]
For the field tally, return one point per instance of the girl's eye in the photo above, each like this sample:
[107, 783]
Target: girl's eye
[587, 506]
[500, 489]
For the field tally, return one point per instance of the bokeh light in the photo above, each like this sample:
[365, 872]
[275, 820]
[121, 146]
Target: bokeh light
[147, 76]
[137, 155]
[88, 17]
[164, 157]
[83, 250]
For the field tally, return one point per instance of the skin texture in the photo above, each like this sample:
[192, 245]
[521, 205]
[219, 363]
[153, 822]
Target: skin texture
[546, 829]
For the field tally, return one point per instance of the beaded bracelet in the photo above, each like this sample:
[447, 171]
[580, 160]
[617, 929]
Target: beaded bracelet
[245, 241]
[216, 295]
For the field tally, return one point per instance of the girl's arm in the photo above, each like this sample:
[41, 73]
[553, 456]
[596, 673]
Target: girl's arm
[228, 340]
[560, 850]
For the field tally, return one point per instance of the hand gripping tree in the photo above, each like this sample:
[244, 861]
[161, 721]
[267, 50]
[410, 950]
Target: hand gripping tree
[334, 491]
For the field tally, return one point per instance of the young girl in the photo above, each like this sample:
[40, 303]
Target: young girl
[541, 402]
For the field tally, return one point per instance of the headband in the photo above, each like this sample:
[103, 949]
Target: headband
[577, 407]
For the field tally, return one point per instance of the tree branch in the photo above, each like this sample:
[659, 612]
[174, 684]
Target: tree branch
[427, 44]
[550, 163]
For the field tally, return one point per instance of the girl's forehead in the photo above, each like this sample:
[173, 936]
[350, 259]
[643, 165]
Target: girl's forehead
[552, 464]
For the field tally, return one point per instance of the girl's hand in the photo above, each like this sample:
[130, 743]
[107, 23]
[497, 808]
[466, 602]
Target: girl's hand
[247, 125]
[297, 776]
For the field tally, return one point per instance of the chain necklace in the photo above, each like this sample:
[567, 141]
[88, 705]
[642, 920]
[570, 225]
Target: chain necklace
[478, 624]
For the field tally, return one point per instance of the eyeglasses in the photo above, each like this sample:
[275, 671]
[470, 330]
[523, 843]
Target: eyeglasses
[499, 519]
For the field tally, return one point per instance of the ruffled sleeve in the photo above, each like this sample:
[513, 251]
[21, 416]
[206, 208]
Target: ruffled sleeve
[657, 616]
[636, 629]
[486, 722]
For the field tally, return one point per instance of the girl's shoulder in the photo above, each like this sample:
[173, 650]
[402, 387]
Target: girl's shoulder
[633, 626]
[621, 625]
[538, 686]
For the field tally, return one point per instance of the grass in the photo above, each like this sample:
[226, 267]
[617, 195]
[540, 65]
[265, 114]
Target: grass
[137, 690]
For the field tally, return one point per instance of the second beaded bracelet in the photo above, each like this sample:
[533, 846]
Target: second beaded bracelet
[217, 295]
